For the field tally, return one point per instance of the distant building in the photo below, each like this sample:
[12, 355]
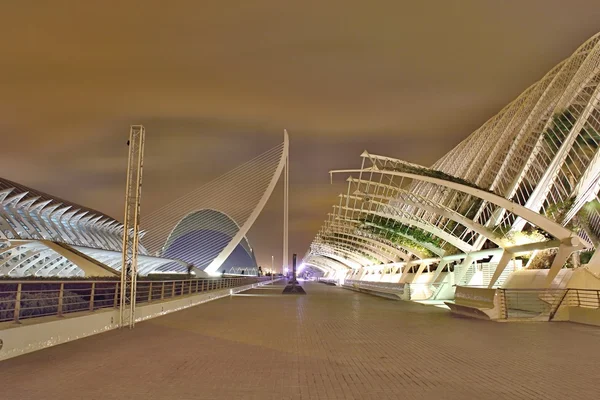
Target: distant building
[43, 235]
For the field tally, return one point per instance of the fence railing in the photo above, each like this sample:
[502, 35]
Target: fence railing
[408, 291]
[329, 281]
[530, 303]
[395, 287]
[401, 290]
[586, 298]
[544, 303]
[21, 300]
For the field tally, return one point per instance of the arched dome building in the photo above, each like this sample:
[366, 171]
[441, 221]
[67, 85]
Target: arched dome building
[201, 236]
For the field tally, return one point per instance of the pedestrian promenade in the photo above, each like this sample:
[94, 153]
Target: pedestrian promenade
[330, 344]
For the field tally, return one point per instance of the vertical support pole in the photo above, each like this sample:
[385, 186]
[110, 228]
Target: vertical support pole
[92, 295]
[197, 285]
[286, 176]
[173, 290]
[61, 294]
[150, 293]
[190, 288]
[17, 313]
[162, 290]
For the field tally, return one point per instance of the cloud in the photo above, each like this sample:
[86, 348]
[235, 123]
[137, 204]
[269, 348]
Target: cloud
[215, 85]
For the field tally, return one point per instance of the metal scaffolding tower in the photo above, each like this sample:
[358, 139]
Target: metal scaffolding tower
[131, 223]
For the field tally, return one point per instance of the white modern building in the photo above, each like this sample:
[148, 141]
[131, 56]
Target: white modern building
[515, 203]
[43, 235]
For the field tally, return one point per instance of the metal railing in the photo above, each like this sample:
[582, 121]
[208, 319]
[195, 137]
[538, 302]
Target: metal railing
[329, 281]
[544, 303]
[586, 298]
[21, 300]
[530, 303]
[402, 290]
[421, 291]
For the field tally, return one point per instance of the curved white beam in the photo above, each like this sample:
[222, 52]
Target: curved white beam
[220, 259]
[409, 250]
[332, 253]
[428, 205]
[551, 227]
[351, 244]
[434, 230]
[348, 230]
[347, 252]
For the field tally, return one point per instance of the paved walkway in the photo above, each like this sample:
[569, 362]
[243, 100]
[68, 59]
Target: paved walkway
[330, 344]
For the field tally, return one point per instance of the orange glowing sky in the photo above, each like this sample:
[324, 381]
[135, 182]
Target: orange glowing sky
[216, 82]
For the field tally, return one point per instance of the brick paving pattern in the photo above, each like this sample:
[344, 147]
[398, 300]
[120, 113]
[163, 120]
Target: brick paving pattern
[330, 344]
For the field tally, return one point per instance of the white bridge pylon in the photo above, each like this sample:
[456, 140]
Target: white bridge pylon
[240, 194]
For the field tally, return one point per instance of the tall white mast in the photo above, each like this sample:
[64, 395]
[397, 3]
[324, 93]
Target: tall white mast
[286, 177]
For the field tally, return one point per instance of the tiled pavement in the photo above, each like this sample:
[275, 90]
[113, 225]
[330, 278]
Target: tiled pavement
[330, 344]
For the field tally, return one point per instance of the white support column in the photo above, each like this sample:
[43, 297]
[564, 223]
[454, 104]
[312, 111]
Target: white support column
[407, 268]
[285, 210]
[506, 256]
[564, 251]
[594, 264]
[442, 264]
[463, 268]
[419, 271]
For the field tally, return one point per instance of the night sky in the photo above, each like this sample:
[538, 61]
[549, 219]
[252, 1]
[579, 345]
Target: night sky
[216, 82]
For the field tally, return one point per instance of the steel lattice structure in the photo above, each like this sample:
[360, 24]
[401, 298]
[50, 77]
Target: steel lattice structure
[131, 226]
[526, 180]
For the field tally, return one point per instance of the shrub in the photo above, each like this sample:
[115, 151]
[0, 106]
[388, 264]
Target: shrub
[405, 235]
[434, 173]
[543, 259]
